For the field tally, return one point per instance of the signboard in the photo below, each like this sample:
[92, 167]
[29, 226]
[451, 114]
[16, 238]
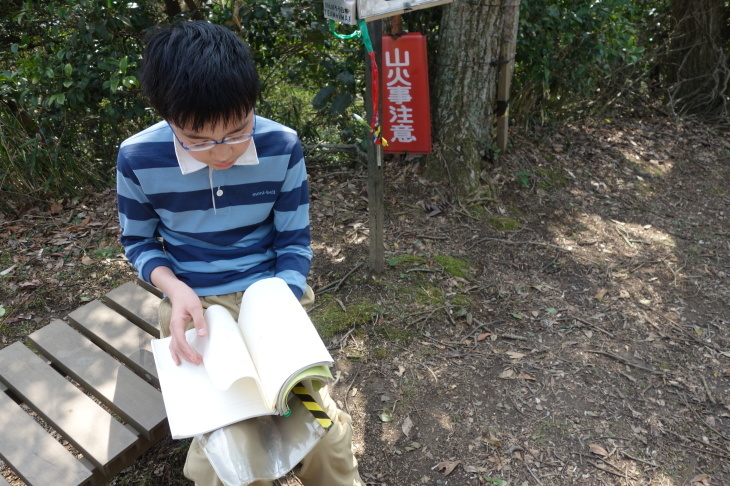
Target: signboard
[341, 11]
[378, 9]
[406, 116]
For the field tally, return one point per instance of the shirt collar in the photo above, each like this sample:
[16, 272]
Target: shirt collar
[188, 164]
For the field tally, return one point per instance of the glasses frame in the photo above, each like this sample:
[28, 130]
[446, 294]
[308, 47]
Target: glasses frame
[209, 144]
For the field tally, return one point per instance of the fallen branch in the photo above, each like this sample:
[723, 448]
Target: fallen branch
[337, 284]
[625, 361]
[510, 242]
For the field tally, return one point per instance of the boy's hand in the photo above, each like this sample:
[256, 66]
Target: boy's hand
[186, 306]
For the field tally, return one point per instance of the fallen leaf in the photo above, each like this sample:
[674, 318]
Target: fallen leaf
[483, 336]
[407, 426]
[515, 355]
[600, 294]
[87, 261]
[700, 480]
[551, 310]
[385, 417]
[401, 370]
[507, 374]
[516, 315]
[596, 449]
[447, 466]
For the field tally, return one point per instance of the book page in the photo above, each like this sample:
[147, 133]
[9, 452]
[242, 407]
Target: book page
[193, 404]
[225, 355]
[279, 335]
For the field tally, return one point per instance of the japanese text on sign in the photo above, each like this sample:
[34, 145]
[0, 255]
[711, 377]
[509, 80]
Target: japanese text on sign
[341, 11]
[406, 117]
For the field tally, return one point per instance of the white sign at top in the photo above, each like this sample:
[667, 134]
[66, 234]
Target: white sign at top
[341, 11]
[378, 9]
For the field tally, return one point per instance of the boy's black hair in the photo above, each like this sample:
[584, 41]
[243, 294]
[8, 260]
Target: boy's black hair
[197, 74]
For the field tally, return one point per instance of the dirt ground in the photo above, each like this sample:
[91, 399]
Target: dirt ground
[573, 328]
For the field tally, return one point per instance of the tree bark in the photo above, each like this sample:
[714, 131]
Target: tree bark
[463, 92]
[698, 73]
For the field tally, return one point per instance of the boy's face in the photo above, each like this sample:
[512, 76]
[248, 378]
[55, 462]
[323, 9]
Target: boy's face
[221, 156]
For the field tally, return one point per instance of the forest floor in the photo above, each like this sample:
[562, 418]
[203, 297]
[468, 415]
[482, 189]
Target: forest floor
[572, 329]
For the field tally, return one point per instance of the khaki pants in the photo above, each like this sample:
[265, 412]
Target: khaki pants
[330, 463]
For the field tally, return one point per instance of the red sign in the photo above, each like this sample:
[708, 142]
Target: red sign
[406, 116]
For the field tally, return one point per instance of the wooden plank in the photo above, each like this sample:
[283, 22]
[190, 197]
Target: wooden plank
[149, 288]
[117, 336]
[136, 304]
[132, 398]
[81, 421]
[25, 445]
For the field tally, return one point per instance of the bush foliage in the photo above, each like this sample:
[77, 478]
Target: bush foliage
[70, 92]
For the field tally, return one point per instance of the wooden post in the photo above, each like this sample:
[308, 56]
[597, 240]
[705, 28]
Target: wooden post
[375, 157]
[510, 24]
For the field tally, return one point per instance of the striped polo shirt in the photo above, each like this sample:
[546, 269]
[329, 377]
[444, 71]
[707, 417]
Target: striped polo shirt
[258, 226]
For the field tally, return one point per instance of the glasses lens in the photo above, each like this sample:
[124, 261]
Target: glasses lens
[238, 138]
[199, 147]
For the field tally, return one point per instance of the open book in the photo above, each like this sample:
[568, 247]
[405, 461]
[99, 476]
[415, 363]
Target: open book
[249, 367]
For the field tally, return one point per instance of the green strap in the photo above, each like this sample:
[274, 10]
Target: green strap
[365, 35]
[363, 32]
[341, 36]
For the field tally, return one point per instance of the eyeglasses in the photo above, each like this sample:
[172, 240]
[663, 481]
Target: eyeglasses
[209, 144]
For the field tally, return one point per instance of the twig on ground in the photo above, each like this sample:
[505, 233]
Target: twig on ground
[337, 284]
[708, 391]
[347, 392]
[690, 439]
[510, 242]
[637, 459]
[342, 340]
[533, 475]
[480, 325]
[591, 325]
[513, 336]
[624, 361]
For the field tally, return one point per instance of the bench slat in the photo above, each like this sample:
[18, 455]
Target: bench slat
[135, 400]
[136, 304]
[64, 407]
[24, 444]
[117, 336]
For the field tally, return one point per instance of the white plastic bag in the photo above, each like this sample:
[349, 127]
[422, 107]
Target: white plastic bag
[262, 448]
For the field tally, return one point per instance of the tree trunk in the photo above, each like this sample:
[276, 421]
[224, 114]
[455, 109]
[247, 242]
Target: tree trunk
[698, 71]
[463, 92]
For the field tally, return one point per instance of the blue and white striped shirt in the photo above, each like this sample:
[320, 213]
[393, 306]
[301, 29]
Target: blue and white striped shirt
[259, 227]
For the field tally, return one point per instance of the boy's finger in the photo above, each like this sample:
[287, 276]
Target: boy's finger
[201, 327]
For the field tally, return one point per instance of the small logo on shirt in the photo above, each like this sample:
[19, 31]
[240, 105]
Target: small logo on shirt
[270, 192]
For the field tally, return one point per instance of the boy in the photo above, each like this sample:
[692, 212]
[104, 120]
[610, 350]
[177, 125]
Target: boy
[213, 199]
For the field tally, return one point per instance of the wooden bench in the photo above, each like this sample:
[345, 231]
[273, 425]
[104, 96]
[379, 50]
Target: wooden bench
[92, 381]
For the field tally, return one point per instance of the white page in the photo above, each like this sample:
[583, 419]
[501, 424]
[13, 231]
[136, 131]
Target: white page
[193, 404]
[280, 337]
[225, 356]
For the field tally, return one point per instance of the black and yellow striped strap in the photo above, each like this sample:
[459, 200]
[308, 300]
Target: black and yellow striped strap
[319, 414]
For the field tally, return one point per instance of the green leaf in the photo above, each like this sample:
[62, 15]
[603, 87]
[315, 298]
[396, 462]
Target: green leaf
[340, 103]
[516, 315]
[385, 417]
[2, 311]
[324, 94]
[68, 69]
[551, 310]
